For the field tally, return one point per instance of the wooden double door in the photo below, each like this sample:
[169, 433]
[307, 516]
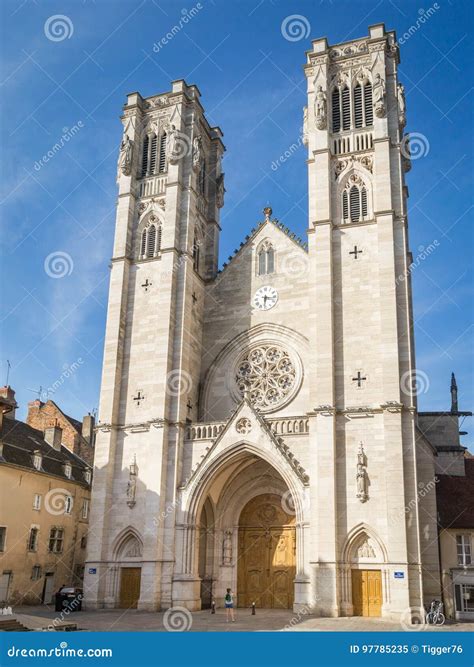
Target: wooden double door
[266, 556]
[130, 580]
[367, 592]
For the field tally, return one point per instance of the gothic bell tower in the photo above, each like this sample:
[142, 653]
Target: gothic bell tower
[362, 366]
[166, 246]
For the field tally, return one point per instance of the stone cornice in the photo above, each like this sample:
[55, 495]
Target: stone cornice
[134, 427]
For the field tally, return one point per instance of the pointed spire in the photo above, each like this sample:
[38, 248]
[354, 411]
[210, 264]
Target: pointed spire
[454, 394]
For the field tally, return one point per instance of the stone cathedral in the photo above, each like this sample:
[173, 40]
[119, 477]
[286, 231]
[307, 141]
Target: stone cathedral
[258, 424]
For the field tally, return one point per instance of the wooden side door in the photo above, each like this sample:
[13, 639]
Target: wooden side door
[253, 569]
[282, 568]
[367, 592]
[130, 579]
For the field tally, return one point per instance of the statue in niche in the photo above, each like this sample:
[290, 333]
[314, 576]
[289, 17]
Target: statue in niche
[320, 109]
[197, 152]
[379, 96]
[172, 143]
[227, 548]
[362, 477]
[220, 191]
[125, 157]
[401, 104]
[132, 483]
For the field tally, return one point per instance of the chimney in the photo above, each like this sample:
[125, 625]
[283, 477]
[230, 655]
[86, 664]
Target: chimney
[53, 436]
[454, 395]
[8, 403]
[88, 423]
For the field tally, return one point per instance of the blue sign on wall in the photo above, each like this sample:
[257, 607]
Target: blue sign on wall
[92, 570]
[399, 575]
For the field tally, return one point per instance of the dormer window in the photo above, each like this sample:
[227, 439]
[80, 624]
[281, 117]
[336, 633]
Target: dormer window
[37, 460]
[68, 470]
[87, 476]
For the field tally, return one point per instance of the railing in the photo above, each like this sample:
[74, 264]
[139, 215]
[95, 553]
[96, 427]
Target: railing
[152, 185]
[352, 143]
[278, 425]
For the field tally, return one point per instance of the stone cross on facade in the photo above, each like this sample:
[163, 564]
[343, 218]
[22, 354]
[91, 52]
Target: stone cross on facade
[356, 252]
[139, 397]
[146, 285]
[359, 379]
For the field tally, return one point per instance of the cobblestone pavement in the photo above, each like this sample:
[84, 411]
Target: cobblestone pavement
[203, 621]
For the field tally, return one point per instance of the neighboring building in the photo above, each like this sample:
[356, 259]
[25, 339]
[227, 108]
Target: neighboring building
[44, 510]
[77, 436]
[455, 506]
[258, 424]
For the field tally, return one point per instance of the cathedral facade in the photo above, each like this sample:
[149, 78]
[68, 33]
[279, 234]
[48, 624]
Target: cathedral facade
[258, 423]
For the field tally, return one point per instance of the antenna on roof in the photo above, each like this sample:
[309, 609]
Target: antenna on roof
[8, 372]
[37, 391]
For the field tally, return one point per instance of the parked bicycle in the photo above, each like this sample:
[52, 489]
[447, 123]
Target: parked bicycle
[435, 615]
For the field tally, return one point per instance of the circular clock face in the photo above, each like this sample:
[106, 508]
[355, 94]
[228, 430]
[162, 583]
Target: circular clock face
[265, 298]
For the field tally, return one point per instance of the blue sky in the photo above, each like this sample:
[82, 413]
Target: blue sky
[253, 87]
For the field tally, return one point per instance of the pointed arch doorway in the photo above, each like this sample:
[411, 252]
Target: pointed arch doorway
[266, 554]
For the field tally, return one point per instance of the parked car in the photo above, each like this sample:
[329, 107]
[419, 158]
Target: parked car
[69, 598]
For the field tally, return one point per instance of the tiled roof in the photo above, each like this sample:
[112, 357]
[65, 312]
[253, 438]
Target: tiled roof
[253, 232]
[455, 498]
[20, 441]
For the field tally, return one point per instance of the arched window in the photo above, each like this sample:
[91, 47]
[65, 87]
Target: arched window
[358, 112]
[162, 156]
[196, 255]
[346, 109]
[266, 259]
[153, 154]
[146, 142]
[355, 201]
[151, 241]
[336, 110]
[368, 109]
[202, 178]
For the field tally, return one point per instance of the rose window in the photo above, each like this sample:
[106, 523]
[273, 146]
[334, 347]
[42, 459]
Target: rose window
[268, 374]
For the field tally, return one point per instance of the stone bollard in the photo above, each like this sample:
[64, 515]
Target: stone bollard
[253, 608]
[213, 607]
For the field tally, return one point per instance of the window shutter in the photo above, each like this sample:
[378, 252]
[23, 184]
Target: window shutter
[162, 156]
[143, 244]
[369, 112]
[150, 251]
[364, 203]
[354, 203]
[145, 156]
[336, 111]
[346, 109]
[345, 206]
[158, 239]
[153, 154]
[358, 105]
